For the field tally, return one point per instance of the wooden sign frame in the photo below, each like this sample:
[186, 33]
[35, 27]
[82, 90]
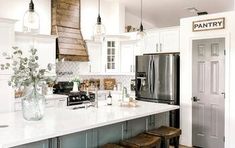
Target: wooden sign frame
[209, 20]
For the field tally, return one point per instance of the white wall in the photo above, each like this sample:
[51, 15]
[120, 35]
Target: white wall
[112, 15]
[134, 21]
[15, 9]
[186, 37]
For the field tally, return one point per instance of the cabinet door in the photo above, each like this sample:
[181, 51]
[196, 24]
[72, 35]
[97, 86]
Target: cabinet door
[151, 43]
[161, 119]
[7, 95]
[6, 42]
[40, 144]
[45, 48]
[111, 56]
[94, 50]
[109, 134]
[169, 40]
[83, 68]
[134, 127]
[127, 57]
[77, 140]
[61, 103]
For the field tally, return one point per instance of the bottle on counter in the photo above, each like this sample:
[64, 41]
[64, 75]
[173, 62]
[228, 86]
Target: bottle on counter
[109, 99]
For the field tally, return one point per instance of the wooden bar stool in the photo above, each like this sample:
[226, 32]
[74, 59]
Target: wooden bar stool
[166, 133]
[111, 145]
[142, 141]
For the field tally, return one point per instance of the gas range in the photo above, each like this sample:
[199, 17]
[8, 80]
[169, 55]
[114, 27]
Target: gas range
[74, 98]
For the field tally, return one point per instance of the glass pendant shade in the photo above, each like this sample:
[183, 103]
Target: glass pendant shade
[141, 35]
[99, 29]
[31, 20]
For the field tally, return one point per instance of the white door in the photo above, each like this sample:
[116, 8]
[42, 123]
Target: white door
[208, 93]
[169, 40]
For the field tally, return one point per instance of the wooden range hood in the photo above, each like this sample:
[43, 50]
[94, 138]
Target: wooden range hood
[66, 25]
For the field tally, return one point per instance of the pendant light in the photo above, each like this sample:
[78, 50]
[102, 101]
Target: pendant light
[141, 33]
[99, 30]
[31, 21]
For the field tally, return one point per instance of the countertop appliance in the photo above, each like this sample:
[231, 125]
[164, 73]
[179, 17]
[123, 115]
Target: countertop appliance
[74, 98]
[157, 80]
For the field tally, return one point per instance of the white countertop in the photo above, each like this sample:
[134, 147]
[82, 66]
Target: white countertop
[62, 121]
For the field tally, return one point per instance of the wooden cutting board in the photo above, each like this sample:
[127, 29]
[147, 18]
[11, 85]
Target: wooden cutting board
[109, 83]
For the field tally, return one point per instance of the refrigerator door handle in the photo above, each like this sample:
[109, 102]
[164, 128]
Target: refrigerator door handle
[149, 75]
[153, 76]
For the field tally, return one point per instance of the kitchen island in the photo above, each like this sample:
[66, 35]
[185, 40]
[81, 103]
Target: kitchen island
[91, 127]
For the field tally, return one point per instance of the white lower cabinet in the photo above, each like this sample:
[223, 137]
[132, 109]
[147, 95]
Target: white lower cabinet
[7, 95]
[61, 102]
[56, 102]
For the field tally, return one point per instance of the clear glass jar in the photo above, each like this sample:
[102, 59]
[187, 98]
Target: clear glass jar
[33, 104]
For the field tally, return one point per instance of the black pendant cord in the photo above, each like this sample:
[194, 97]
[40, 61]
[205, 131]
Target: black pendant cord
[31, 6]
[141, 15]
[98, 18]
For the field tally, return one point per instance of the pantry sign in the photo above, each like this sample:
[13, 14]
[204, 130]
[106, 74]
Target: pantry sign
[209, 24]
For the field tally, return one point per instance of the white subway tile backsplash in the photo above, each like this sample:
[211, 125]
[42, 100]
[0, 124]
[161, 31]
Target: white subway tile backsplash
[68, 70]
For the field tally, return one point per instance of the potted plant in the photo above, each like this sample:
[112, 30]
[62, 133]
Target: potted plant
[76, 83]
[27, 74]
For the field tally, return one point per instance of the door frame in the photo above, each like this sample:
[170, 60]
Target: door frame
[227, 38]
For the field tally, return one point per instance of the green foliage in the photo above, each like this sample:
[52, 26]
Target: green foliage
[76, 79]
[26, 70]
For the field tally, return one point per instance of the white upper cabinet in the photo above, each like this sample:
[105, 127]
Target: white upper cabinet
[45, 45]
[111, 56]
[161, 40]
[151, 42]
[127, 57]
[95, 57]
[7, 36]
[169, 40]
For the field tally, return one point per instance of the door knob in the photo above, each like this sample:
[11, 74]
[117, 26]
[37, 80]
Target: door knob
[195, 99]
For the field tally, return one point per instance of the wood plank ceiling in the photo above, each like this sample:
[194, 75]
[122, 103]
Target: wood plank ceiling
[66, 25]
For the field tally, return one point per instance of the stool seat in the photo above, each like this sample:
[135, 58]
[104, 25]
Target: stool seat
[110, 145]
[142, 141]
[166, 132]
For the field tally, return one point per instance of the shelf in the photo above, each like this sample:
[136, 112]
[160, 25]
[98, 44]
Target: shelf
[108, 74]
[23, 34]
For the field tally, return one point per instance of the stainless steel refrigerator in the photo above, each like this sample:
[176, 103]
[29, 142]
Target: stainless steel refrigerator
[157, 80]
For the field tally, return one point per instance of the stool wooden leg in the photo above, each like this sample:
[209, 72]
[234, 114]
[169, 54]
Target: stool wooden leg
[164, 143]
[176, 142]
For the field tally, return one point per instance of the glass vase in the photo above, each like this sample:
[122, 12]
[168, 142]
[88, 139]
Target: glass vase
[33, 104]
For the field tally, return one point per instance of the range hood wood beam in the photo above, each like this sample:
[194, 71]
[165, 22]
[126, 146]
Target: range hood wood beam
[66, 25]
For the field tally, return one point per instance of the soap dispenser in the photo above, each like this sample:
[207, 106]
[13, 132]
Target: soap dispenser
[109, 99]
